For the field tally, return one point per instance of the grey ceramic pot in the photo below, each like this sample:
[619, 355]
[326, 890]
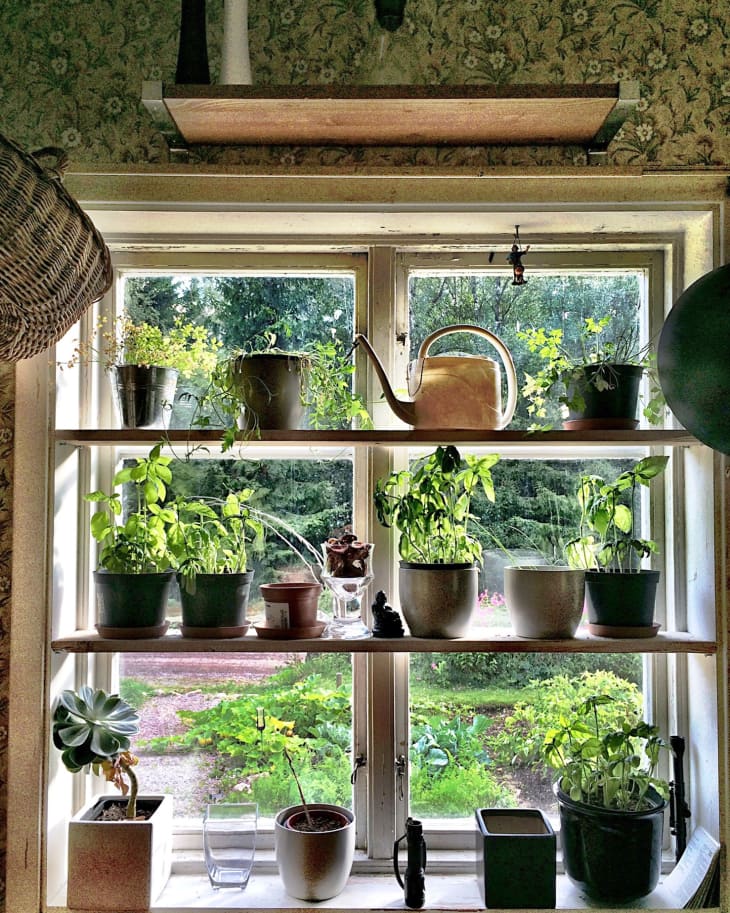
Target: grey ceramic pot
[438, 600]
[314, 866]
[544, 601]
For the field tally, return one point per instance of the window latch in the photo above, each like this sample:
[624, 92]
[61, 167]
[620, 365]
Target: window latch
[359, 762]
[400, 773]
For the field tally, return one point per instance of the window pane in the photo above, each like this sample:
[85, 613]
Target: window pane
[553, 301]
[199, 712]
[214, 727]
[291, 311]
[478, 721]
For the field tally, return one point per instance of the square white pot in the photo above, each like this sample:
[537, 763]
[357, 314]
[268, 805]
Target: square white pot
[118, 865]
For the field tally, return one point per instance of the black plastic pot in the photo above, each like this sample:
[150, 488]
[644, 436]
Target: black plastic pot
[610, 408]
[269, 387]
[621, 599]
[143, 395]
[218, 606]
[132, 605]
[612, 855]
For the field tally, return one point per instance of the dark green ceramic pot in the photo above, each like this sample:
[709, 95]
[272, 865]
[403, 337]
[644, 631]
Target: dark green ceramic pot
[621, 600]
[612, 855]
[132, 605]
[217, 606]
[604, 409]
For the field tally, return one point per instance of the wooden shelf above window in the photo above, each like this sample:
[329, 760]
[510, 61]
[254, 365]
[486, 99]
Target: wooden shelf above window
[489, 641]
[587, 115]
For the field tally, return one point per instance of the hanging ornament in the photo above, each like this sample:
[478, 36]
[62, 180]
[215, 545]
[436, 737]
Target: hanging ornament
[515, 258]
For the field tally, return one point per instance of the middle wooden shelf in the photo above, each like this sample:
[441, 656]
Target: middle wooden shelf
[481, 641]
[113, 437]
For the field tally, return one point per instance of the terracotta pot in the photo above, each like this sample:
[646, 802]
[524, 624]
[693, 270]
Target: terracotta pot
[291, 605]
[314, 866]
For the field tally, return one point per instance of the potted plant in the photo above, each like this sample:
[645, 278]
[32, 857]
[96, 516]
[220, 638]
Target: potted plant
[133, 577]
[620, 594]
[611, 802]
[268, 388]
[429, 505]
[144, 363]
[599, 384]
[545, 596]
[209, 539]
[314, 846]
[119, 850]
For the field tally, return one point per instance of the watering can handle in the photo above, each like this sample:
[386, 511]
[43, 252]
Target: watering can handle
[504, 354]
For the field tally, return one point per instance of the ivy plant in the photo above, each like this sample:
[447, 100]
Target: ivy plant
[562, 371]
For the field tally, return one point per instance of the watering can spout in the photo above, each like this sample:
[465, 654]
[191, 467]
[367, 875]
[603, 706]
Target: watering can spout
[405, 410]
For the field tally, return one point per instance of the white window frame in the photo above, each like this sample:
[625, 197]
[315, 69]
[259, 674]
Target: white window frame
[29, 696]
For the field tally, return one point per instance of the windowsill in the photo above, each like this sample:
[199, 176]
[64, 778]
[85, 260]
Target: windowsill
[191, 891]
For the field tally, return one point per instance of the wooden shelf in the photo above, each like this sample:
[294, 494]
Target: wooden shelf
[482, 641]
[504, 440]
[587, 115]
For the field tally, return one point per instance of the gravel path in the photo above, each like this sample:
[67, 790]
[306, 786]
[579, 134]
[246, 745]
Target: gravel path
[179, 677]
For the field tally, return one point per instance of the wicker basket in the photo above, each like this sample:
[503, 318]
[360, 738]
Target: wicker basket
[53, 261]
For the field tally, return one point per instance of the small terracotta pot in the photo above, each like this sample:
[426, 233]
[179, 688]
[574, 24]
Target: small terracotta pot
[291, 605]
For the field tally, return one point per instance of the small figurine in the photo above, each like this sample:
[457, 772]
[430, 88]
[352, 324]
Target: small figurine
[387, 622]
[515, 258]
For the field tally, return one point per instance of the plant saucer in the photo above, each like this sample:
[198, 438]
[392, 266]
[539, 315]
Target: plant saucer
[132, 633]
[271, 633]
[624, 630]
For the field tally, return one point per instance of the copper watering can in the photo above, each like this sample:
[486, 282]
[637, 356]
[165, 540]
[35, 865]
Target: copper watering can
[452, 391]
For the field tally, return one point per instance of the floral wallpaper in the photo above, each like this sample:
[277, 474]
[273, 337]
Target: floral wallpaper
[72, 75]
[73, 71]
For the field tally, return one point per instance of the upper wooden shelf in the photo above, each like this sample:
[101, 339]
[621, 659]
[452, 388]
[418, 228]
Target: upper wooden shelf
[587, 115]
[482, 640]
[504, 440]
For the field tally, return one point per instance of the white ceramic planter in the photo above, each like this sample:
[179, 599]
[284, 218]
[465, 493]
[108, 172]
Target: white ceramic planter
[118, 865]
[438, 600]
[544, 601]
[314, 866]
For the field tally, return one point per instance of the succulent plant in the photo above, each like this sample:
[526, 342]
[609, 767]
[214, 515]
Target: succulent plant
[93, 729]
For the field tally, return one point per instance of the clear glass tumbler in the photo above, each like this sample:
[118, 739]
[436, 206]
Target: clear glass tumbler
[229, 842]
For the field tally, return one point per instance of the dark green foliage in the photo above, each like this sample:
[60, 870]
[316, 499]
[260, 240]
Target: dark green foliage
[514, 669]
